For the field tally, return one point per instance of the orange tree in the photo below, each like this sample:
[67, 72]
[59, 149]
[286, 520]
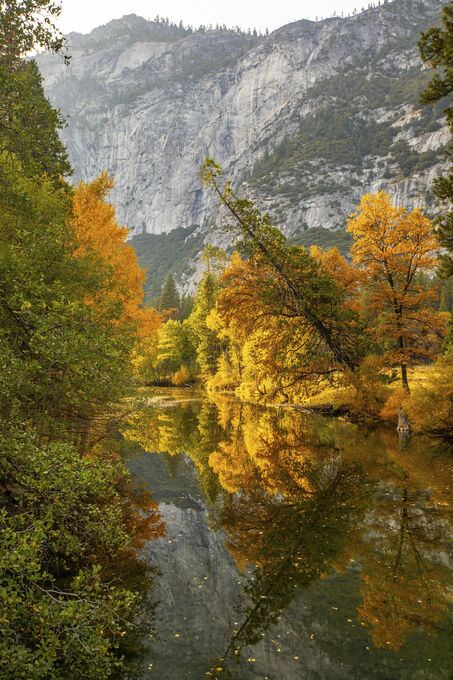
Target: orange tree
[270, 353]
[393, 246]
[99, 236]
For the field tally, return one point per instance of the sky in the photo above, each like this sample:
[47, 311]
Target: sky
[84, 15]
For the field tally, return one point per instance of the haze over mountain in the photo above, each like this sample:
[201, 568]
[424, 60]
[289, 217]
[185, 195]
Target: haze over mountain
[304, 121]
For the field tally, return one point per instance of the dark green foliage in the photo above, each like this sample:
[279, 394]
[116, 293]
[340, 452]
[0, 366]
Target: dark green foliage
[324, 238]
[169, 297]
[163, 253]
[71, 583]
[28, 123]
[446, 303]
[59, 612]
[436, 50]
[56, 347]
[410, 161]
[187, 304]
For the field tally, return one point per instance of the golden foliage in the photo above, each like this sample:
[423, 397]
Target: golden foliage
[393, 246]
[181, 377]
[399, 397]
[430, 408]
[365, 393]
[404, 585]
[349, 276]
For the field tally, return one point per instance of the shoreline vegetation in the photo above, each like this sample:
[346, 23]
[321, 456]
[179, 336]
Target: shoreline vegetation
[75, 587]
[368, 338]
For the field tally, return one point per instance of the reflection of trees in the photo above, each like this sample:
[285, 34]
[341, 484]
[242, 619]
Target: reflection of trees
[405, 582]
[186, 428]
[294, 540]
[405, 585]
[293, 503]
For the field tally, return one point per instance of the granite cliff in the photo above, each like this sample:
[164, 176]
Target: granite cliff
[304, 120]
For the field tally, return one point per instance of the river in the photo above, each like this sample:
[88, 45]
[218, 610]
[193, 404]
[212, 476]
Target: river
[297, 548]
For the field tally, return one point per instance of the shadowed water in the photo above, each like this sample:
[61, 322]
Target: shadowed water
[297, 548]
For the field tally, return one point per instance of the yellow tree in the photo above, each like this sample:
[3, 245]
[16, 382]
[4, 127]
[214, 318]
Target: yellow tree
[279, 356]
[393, 246]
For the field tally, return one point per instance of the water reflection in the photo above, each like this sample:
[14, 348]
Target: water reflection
[301, 500]
[293, 539]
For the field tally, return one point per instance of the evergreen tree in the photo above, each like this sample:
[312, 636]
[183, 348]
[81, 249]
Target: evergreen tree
[447, 296]
[169, 297]
[187, 303]
[28, 123]
[436, 50]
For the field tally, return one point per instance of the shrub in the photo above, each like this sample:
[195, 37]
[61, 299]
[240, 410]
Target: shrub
[430, 408]
[181, 377]
[365, 393]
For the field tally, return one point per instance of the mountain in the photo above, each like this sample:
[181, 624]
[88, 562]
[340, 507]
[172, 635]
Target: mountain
[304, 121]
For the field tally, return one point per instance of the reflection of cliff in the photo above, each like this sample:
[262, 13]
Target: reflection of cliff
[296, 502]
[199, 590]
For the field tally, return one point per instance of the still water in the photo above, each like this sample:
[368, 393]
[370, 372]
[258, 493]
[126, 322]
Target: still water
[297, 547]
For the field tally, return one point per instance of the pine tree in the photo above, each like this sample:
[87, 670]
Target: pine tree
[436, 50]
[187, 303]
[169, 297]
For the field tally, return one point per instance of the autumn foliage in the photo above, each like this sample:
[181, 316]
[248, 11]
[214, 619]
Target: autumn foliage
[393, 246]
[99, 236]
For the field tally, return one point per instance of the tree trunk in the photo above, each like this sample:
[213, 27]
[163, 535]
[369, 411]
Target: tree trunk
[404, 377]
[403, 422]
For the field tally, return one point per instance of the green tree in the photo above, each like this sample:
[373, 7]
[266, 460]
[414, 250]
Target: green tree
[187, 303]
[28, 123]
[436, 50]
[25, 24]
[169, 297]
[69, 523]
[208, 344]
[61, 613]
[446, 304]
[61, 361]
[169, 351]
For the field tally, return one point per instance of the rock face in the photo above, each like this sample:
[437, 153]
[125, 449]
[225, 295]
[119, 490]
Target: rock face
[304, 120]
